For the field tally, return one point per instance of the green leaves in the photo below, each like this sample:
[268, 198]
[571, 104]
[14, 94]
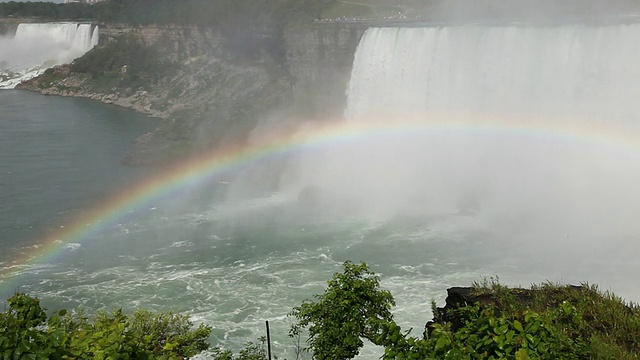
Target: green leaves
[252, 351]
[518, 326]
[545, 323]
[352, 307]
[570, 325]
[26, 333]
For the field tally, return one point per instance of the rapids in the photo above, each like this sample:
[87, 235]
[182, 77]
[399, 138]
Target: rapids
[466, 151]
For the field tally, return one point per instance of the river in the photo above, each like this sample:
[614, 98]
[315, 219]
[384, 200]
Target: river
[529, 182]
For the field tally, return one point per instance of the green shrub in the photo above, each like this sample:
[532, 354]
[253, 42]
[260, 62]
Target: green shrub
[547, 322]
[353, 307]
[27, 333]
[251, 351]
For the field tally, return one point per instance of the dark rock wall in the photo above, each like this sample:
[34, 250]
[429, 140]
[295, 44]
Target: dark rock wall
[223, 87]
[319, 60]
[8, 26]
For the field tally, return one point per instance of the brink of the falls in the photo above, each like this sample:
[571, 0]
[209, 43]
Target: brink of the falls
[576, 71]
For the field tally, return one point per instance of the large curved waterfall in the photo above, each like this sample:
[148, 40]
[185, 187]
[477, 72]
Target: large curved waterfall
[559, 71]
[533, 129]
[36, 47]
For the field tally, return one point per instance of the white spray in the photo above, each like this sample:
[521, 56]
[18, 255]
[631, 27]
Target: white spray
[523, 159]
[36, 47]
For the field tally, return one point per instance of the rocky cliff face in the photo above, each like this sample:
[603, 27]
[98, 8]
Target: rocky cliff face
[217, 89]
[8, 26]
[319, 59]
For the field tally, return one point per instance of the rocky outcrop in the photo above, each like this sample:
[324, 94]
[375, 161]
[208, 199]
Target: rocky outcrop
[459, 297]
[319, 59]
[8, 26]
[62, 81]
[217, 89]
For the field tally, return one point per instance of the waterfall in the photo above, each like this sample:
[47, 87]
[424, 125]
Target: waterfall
[562, 71]
[524, 122]
[82, 39]
[95, 37]
[36, 47]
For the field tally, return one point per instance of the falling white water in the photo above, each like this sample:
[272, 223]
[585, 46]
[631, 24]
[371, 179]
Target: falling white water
[447, 205]
[525, 154]
[95, 37]
[563, 71]
[526, 165]
[36, 47]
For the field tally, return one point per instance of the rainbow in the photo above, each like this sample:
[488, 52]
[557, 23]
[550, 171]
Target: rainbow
[207, 167]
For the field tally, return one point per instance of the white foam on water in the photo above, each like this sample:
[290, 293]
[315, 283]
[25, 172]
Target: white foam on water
[425, 213]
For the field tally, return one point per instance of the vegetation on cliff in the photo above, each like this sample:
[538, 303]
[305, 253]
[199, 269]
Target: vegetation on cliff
[266, 13]
[492, 322]
[26, 332]
[247, 14]
[486, 321]
[46, 11]
[211, 70]
[209, 90]
[125, 63]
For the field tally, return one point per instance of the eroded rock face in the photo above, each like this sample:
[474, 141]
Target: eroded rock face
[8, 26]
[216, 92]
[61, 81]
[319, 60]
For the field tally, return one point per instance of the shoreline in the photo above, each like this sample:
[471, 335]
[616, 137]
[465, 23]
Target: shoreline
[72, 85]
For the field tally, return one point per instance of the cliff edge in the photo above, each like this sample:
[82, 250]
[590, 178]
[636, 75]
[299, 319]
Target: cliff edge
[207, 89]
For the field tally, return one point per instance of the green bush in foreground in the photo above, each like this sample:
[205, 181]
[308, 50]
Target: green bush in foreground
[27, 333]
[352, 308]
[546, 322]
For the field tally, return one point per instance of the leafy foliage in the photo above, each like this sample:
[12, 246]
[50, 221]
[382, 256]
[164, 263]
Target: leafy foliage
[252, 351]
[27, 333]
[353, 307]
[555, 322]
[47, 10]
[24, 332]
[220, 13]
[492, 334]
[547, 322]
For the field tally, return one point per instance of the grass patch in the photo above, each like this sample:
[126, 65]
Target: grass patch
[601, 325]
[486, 321]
